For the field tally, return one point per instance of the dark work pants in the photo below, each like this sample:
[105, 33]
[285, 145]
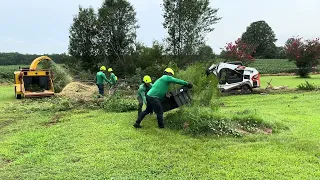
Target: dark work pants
[101, 89]
[153, 104]
[140, 105]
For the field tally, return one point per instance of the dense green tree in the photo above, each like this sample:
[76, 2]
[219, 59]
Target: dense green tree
[83, 39]
[117, 32]
[262, 36]
[205, 53]
[270, 52]
[187, 23]
[281, 53]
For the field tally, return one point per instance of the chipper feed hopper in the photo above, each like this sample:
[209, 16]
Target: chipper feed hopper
[33, 82]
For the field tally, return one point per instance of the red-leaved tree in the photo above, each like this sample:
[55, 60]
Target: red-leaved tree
[305, 54]
[239, 51]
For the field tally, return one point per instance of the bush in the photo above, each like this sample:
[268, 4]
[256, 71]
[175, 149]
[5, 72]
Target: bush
[204, 91]
[239, 51]
[203, 116]
[200, 120]
[307, 86]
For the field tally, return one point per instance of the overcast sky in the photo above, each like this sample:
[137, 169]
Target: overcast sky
[42, 26]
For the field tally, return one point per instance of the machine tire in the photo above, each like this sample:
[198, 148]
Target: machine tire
[246, 89]
[18, 96]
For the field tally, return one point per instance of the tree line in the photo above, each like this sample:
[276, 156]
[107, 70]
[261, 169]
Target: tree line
[108, 36]
[15, 58]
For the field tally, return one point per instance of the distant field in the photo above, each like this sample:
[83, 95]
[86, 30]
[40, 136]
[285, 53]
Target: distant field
[6, 72]
[275, 66]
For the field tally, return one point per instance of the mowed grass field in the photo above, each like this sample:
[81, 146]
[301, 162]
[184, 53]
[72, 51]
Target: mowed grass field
[87, 144]
[290, 81]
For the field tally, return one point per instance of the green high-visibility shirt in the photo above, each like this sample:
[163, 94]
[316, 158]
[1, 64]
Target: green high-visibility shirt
[161, 86]
[142, 91]
[101, 77]
[113, 79]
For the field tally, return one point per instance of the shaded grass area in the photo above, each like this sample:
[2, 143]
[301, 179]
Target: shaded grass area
[92, 144]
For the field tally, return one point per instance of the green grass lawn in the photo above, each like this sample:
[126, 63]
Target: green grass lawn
[87, 144]
[290, 81]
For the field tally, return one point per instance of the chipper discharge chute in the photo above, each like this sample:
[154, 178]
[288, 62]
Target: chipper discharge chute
[33, 82]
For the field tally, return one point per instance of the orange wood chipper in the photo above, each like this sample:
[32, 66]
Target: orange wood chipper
[33, 82]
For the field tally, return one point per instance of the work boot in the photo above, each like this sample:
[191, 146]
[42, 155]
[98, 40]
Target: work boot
[136, 125]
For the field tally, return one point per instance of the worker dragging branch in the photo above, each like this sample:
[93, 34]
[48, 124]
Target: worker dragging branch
[156, 94]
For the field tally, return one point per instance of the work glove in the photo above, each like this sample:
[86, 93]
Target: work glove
[190, 85]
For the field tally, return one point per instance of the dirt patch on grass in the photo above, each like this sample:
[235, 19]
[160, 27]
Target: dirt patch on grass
[5, 162]
[55, 119]
[266, 131]
[241, 131]
[6, 123]
[79, 91]
[273, 91]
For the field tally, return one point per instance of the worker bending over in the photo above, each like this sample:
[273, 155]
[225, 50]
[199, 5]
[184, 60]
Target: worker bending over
[156, 94]
[113, 81]
[142, 92]
[100, 78]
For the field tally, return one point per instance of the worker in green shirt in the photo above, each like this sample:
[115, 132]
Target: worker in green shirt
[142, 92]
[156, 94]
[100, 78]
[113, 81]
